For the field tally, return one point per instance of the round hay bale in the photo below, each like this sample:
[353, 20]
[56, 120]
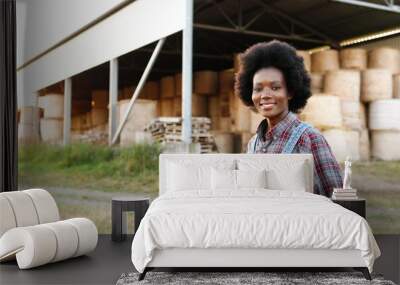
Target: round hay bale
[365, 151]
[99, 116]
[343, 83]
[206, 82]
[325, 60]
[224, 141]
[343, 143]
[385, 57]
[53, 106]
[51, 130]
[396, 86]
[305, 55]
[28, 133]
[226, 80]
[351, 113]
[384, 115]
[385, 145]
[376, 84]
[167, 87]
[356, 58]
[317, 82]
[323, 112]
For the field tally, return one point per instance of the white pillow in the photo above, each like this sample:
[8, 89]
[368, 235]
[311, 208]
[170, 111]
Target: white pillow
[251, 178]
[183, 178]
[282, 174]
[231, 180]
[223, 179]
[293, 180]
[192, 175]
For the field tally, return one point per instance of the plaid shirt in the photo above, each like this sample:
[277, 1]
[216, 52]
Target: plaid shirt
[326, 169]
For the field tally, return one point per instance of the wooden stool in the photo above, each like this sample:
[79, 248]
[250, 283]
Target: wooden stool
[121, 205]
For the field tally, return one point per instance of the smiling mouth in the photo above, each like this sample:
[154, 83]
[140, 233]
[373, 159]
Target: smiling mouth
[267, 105]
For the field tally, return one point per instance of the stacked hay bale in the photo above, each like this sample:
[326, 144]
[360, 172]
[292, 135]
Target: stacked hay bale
[379, 88]
[99, 112]
[51, 125]
[205, 86]
[80, 121]
[359, 80]
[384, 123]
[345, 139]
[220, 112]
[142, 113]
[28, 125]
[167, 95]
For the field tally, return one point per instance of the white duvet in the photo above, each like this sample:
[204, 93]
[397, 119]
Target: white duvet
[256, 218]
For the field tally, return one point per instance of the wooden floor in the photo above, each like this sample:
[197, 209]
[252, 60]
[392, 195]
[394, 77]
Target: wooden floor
[111, 259]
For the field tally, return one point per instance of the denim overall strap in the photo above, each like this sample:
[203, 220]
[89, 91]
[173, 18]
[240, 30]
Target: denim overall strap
[294, 138]
[253, 145]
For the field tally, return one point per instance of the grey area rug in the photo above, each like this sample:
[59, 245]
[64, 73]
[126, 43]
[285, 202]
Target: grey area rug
[229, 278]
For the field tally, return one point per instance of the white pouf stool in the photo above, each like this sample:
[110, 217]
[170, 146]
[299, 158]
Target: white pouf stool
[31, 232]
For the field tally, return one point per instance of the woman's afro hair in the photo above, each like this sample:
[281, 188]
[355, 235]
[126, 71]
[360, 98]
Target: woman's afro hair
[281, 56]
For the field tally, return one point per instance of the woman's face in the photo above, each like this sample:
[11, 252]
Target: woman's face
[270, 95]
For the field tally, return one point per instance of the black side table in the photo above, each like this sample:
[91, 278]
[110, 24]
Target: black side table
[357, 205]
[121, 205]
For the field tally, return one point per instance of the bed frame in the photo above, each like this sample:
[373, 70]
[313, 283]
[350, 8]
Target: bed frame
[243, 259]
[246, 258]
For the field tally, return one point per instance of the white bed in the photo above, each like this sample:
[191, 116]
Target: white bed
[201, 219]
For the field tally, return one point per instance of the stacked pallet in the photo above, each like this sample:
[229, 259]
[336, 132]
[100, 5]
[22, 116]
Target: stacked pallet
[166, 130]
[360, 81]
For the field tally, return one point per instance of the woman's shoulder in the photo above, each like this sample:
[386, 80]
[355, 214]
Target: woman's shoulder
[312, 136]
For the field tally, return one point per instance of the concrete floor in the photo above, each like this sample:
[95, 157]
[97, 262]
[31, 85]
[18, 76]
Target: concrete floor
[111, 259]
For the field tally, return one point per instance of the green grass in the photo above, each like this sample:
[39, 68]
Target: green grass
[387, 170]
[135, 170]
[383, 211]
[132, 169]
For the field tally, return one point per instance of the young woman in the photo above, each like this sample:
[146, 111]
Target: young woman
[272, 79]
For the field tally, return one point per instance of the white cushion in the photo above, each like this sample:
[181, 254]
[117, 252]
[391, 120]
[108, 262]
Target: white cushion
[231, 180]
[45, 205]
[67, 240]
[30, 232]
[7, 215]
[32, 246]
[285, 174]
[40, 244]
[192, 175]
[251, 178]
[87, 233]
[23, 208]
[223, 179]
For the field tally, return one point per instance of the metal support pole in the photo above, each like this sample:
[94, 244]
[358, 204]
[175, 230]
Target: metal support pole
[138, 88]
[113, 99]
[67, 111]
[187, 70]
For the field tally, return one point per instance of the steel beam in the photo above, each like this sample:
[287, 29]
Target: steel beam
[299, 23]
[187, 72]
[390, 7]
[113, 100]
[257, 33]
[138, 88]
[67, 111]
